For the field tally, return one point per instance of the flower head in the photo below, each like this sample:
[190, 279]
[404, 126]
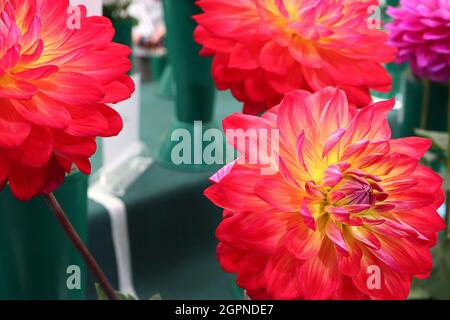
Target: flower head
[347, 203]
[421, 31]
[265, 48]
[55, 78]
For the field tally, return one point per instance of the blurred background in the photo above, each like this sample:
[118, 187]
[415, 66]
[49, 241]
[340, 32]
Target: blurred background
[145, 219]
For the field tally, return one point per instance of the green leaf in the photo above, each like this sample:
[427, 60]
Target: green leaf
[156, 296]
[102, 296]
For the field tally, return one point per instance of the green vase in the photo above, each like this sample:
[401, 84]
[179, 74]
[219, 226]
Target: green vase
[123, 28]
[410, 115]
[195, 92]
[37, 260]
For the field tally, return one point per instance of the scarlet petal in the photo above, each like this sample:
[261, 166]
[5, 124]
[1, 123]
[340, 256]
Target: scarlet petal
[317, 276]
[280, 275]
[414, 147]
[278, 194]
[13, 128]
[73, 88]
[25, 182]
[236, 192]
[229, 257]
[36, 150]
[303, 243]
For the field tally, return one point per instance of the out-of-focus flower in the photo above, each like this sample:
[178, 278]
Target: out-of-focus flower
[350, 214]
[58, 68]
[265, 48]
[421, 31]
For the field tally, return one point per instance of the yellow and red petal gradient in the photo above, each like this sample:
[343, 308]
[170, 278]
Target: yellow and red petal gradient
[265, 48]
[55, 81]
[346, 198]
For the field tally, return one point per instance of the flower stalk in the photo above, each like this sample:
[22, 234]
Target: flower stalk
[70, 231]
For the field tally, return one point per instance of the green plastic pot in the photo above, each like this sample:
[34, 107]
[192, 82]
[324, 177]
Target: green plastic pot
[413, 90]
[195, 92]
[36, 257]
[158, 65]
[192, 73]
[123, 28]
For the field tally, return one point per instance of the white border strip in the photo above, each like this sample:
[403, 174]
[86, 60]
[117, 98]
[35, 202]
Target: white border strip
[120, 238]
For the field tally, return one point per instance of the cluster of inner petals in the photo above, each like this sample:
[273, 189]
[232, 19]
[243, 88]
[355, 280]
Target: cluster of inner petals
[345, 195]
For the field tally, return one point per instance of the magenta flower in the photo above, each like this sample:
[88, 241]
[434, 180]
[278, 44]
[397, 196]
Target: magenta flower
[421, 31]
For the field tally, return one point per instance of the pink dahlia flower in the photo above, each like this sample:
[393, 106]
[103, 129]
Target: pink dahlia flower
[421, 31]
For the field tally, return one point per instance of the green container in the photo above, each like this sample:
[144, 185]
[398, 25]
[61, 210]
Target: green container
[195, 91]
[123, 28]
[158, 65]
[192, 73]
[410, 115]
[35, 253]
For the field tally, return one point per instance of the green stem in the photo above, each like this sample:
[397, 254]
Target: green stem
[80, 246]
[425, 104]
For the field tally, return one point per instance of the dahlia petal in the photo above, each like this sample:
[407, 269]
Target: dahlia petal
[242, 128]
[303, 243]
[250, 274]
[13, 129]
[278, 274]
[273, 58]
[36, 73]
[15, 89]
[332, 141]
[335, 235]
[317, 276]
[366, 237]
[348, 291]
[43, 111]
[219, 175]
[308, 218]
[244, 58]
[102, 66]
[73, 146]
[300, 143]
[25, 182]
[235, 192]
[286, 173]
[263, 232]
[414, 147]
[278, 194]
[54, 175]
[392, 285]
[332, 176]
[83, 164]
[72, 88]
[335, 116]
[349, 264]
[86, 121]
[36, 150]
[354, 149]
[229, 257]
[10, 58]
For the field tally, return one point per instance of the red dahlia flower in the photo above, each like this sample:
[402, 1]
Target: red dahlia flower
[55, 79]
[347, 204]
[265, 48]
